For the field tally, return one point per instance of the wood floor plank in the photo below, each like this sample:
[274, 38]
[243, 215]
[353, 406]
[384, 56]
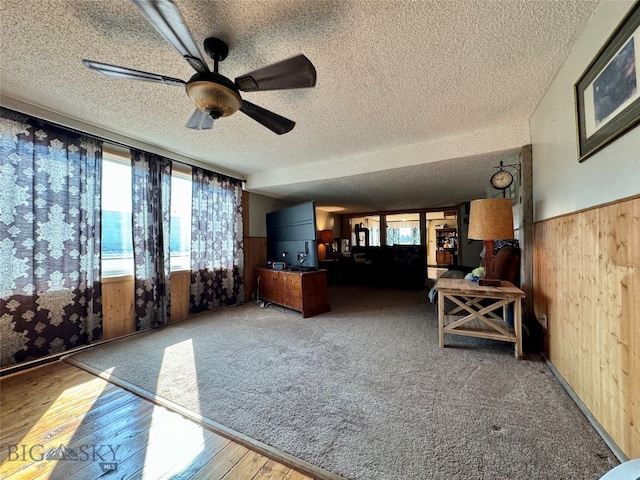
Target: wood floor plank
[169, 444]
[58, 372]
[109, 441]
[60, 406]
[127, 409]
[210, 449]
[224, 461]
[29, 428]
[59, 412]
[272, 470]
[295, 475]
[247, 467]
[20, 399]
[64, 434]
[134, 446]
[43, 371]
[59, 395]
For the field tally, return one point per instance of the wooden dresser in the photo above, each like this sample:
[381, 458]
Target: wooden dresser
[305, 292]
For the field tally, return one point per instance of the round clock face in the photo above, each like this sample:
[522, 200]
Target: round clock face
[501, 180]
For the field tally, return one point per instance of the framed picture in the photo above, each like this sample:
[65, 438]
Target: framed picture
[608, 92]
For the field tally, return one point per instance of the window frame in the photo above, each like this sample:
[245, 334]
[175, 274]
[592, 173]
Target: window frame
[114, 154]
[184, 171]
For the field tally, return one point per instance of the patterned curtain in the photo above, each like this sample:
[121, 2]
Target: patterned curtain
[415, 236]
[217, 264]
[409, 235]
[393, 236]
[49, 238]
[151, 212]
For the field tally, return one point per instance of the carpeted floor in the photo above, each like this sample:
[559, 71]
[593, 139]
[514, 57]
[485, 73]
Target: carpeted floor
[365, 392]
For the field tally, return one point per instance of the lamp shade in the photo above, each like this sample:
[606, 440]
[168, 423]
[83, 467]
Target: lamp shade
[491, 219]
[325, 236]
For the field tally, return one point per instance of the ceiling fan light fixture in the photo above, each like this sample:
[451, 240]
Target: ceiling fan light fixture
[213, 94]
[213, 97]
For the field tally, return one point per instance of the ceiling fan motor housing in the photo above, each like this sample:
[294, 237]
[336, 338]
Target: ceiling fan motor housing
[214, 94]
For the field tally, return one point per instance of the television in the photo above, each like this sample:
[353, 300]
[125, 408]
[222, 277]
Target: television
[291, 236]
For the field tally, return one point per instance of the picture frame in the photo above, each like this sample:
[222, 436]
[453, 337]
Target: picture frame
[608, 92]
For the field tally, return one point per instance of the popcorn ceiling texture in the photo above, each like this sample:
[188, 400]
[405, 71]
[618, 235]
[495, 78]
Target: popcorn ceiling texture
[401, 85]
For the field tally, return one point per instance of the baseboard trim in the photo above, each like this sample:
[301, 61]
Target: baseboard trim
[617, 451]
[255, 445]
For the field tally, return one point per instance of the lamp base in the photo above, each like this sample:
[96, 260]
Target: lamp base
[490, 279]
[322, 252]
[488, 259]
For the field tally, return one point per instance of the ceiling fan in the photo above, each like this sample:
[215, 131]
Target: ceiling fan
[214, 95]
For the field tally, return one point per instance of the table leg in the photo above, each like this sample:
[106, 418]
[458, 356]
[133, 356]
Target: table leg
[441, 319]
[517, 324]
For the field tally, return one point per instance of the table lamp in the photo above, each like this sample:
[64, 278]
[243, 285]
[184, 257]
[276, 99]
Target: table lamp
[490, 219]
[325, 239]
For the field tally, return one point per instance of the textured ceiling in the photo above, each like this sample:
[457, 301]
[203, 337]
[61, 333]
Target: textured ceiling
[415, 102]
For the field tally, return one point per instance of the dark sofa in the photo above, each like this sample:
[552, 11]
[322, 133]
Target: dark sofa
[402, 266]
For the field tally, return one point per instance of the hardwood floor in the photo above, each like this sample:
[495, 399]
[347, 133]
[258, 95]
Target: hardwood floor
[60, 422]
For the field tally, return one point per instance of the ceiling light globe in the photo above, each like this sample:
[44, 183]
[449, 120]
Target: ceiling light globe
[209, 96]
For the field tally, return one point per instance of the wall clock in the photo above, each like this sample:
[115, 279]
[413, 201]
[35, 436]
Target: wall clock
[501, 179]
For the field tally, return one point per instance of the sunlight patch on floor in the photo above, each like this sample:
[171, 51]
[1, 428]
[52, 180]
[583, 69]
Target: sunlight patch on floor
[173, 437]
[179, 357]
[61, 404]
[42, 445]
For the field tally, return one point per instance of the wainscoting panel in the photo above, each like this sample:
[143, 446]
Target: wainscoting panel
[180, 285]
[118, 315]
[587, 282]
[255, 255]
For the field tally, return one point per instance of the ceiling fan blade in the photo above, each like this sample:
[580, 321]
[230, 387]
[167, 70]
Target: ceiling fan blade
[165, 17]
[200, 121]
[131, 74]
[272, 121]
[296, 72]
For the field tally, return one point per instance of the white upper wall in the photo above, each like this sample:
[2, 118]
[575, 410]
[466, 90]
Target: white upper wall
[259, 206]
[561, 184]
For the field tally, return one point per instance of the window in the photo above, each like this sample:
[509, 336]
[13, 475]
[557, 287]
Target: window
[180, 244]
[368, 227]
[117, 243]
[403, 229]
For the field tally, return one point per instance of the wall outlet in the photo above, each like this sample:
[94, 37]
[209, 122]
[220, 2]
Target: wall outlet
[543, 321]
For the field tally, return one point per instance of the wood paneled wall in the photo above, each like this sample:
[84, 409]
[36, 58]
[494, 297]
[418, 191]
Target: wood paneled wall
[118, 315]
[255, 255]
[180, 287]
[255, 250]
[587, 282]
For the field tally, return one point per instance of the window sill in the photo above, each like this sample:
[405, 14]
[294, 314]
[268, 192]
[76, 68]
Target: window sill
[129, 277]
[180, 272]
[117, 278]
